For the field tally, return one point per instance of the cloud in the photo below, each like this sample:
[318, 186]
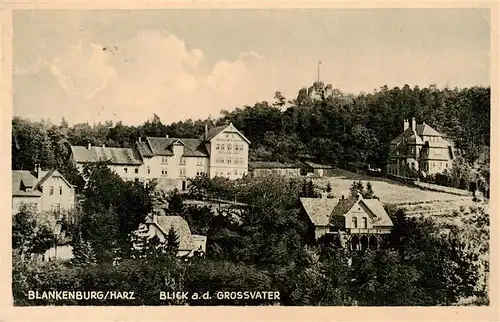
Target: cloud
[83, 69]
[152, 72]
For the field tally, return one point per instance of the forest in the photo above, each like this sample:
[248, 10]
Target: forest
[320, 123]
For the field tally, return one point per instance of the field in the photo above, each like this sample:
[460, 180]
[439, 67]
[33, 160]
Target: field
[389, 192]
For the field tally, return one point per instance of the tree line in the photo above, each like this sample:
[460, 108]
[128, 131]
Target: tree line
[320, 123]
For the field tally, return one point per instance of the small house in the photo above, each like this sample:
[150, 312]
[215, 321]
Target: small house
[359, 222]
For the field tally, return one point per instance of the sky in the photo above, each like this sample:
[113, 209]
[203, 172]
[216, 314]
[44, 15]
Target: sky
[126, 65]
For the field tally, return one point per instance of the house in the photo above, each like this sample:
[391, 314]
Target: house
[221, 151]
[360, 223]
[45, 190]
[419, 149]
[316, 169]
[159, 225]
[126, 162]
[260, 168]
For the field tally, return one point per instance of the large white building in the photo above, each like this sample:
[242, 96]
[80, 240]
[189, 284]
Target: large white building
[221, 151]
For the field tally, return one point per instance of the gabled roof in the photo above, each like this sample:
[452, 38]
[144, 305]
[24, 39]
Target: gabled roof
[163, 146]
[52, 173]
[425, 129]
[375, 206]
[22, 179]
[271, 165]
[421, 130]
[119, 156]
[343, 206]
[143, 149]
[319, 209]
[181, 227]
[213, 132]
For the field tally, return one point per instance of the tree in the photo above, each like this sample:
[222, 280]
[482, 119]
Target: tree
[112, 210]
[368, 193]
[30, 234]
[83, 254]
[172, 241]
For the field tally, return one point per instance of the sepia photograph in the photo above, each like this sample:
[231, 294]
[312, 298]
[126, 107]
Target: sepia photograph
[251, 157]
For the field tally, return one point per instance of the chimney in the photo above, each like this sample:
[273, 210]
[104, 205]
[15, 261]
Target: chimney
[413, 124]
[166, 136]
[406, 124]
[206, 130]
[140, 139]
[89, 147]
[104, 145]
[37, 170]
[324, 195]
[360, 196]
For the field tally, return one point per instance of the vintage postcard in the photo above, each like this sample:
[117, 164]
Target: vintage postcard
[279, 159]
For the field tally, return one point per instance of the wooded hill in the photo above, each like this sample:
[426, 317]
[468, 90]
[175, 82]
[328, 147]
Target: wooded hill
[329, 126]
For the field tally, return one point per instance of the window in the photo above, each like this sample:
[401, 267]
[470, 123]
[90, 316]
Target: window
[182, 161]
[149, 170]
[199, 162]
[164, 172]
[222, 147]
[229, 161]
[217, 147]
[229, 173]
[236, 147]
[354, 222]
[60, 191]
[126, 170]
[182, 172]
[235, 172]
[365, 222]
[164, 160]
[136, 170]
[51, 190]
[229, 147]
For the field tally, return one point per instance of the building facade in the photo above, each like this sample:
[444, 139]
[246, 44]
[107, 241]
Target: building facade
[44, 190]
[260, 169]
[221, 151]
[419, 149]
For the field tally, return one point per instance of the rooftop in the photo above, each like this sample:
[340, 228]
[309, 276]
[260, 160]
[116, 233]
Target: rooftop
[121, 156]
